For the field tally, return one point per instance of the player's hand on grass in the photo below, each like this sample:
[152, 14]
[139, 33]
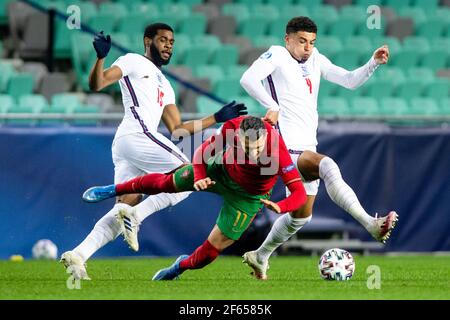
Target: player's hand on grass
[271, 117]
[271, 205]
[381, 55]
[102, 44]
[203, 184]
[230, 111]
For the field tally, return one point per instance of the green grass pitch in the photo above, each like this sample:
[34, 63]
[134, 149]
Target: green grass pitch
[292, 278]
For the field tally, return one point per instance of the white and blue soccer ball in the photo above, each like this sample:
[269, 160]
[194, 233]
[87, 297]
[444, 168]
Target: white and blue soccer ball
[45, 249]
[336, 264]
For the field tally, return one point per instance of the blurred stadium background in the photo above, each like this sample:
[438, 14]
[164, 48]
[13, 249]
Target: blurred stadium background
[391, 137]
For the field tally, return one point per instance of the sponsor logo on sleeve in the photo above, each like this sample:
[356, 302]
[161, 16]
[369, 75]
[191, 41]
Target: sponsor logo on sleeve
[266, 55]
[288, 168]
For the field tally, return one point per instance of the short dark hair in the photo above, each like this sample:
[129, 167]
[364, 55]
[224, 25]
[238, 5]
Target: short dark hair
[152, 29]
[252, 127]
[301, 24]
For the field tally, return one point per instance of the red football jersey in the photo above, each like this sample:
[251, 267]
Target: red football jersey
[256, 178]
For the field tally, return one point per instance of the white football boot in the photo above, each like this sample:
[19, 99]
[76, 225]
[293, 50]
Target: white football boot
[259, 268]
[382, 227]
[73, 262]
[129, 224]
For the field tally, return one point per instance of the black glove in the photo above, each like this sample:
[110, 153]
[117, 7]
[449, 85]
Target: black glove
[230, 111]
[102, 44]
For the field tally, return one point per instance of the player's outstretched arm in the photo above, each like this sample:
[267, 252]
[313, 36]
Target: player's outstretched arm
[354, 79]
[172, 118]
[98, 77]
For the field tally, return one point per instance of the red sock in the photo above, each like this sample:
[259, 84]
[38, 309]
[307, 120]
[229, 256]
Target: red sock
[202, 256]
[152, 183]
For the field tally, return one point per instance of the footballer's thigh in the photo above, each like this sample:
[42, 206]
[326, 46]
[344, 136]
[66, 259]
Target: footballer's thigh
[137, 154]
[311, 186]
[124, 171]
[238, 211]
[308, 164]
[149, 153]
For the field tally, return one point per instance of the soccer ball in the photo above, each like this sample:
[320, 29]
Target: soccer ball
[336, 264]
[45, 249]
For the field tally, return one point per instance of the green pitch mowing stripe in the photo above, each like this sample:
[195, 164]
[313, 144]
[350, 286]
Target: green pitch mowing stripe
[417, 277]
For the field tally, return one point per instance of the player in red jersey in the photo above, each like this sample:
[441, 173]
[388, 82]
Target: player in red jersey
[242, 164]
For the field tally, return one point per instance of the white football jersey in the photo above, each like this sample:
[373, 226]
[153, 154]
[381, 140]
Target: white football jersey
[145, 93]
[293, 87]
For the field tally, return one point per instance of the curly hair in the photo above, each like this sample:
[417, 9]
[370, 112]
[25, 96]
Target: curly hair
[301, 24]
[152, 29]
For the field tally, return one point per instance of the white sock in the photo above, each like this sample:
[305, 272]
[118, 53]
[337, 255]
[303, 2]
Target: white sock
[283, 228]
[105, 230]
[341, 193]
[158, 202]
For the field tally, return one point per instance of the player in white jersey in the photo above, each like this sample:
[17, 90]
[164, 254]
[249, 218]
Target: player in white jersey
[286, 81]
[138, 148]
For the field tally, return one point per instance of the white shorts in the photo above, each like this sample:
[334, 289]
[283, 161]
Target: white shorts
[141, 153]
[311, 187]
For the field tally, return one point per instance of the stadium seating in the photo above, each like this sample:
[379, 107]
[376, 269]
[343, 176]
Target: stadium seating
[292, 10]
[216, 40]
[416, 13]
[435, 59]
[392, 74]
[334, 106]
[35, 101]
[423, 106]
[225, 55]
[31, 104]
[327, 89]
[212, 72]
[409, 89]
[239, 11]
[86, 109]
[6, 103]
[367, 106]
[20, 84]
[347, 58]
[379, 88]
[329, 45]
[207, 106]
[393, 106]
[227, 87]
[193, 25]
[359, 44]
[437, 89]
[445, 106]
[267, 11]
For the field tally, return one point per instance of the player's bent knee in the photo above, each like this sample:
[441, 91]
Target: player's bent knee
[308, 164]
